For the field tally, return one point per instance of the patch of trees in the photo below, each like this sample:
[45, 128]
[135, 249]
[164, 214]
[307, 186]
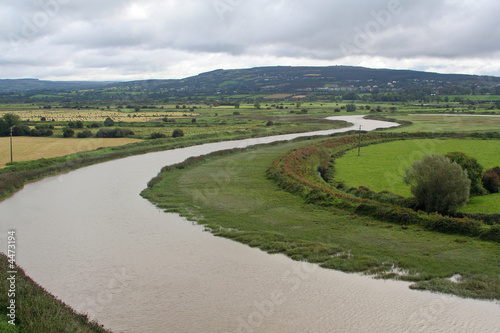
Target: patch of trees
[84, 134]
[75, 124]
[11, 121]
[114, 133]
[444, 183]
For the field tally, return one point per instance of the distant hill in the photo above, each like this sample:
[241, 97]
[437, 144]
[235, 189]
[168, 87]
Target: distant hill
[271, 80]
[24, 85]
[297, 79]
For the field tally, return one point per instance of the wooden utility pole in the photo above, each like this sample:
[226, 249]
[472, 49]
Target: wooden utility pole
[359, 144]
[11, 155]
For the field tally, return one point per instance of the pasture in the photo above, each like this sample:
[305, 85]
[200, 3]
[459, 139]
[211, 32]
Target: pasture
[381, 167]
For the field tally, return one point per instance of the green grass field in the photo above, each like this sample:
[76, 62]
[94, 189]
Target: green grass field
[233, 197]
[382, 167]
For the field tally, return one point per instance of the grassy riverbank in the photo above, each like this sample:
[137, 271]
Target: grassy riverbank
[234, 198]
[37, 311]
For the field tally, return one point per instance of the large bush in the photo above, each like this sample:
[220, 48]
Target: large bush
[177, 133]
[491, 180]
[68, 132]
[114, 133]
[438, 184]
[473, 168]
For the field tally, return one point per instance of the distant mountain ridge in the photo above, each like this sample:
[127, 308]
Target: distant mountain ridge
[24, 85]
[277, 79]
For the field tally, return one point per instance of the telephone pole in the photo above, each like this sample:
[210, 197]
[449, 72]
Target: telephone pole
[359, 144]
[11, 155]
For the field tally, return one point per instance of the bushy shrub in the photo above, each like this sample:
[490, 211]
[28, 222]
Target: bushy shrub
[41, 132]
[21, 130]
[438, 184]
[123, 132]
[68, 133]
[157, 135]
[84, 134]
[177, 133]
[491, 180]
[114, 133]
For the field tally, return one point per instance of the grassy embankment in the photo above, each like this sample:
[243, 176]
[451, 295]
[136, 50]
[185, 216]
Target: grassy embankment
[37, 311]
[232, 196]
[386, 174]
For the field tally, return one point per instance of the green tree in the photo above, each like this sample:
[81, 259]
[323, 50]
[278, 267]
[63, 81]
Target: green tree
[351, 107]
[473, 168]
[68, 132]
[7, 121]
[438, 184]
[108, 122]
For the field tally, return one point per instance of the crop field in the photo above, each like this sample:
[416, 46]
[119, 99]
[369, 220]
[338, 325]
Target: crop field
[59, 115]
[32, 148]
[382, 166]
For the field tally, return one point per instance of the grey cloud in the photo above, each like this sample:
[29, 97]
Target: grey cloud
[109, 34]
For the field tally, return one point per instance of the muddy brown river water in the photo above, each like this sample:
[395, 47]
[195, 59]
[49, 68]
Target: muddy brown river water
[90, 239]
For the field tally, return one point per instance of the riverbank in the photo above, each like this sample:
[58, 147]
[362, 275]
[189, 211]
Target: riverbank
[36, 310]
[233, 198]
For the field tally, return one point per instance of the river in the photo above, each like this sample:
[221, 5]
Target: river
[90, 239]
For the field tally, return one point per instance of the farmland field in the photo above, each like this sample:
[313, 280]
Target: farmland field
[32, 148]
[382, 166]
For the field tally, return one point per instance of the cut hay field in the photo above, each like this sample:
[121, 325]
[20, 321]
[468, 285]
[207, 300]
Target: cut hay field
[95, 114]
[32, 148]
[382, 166]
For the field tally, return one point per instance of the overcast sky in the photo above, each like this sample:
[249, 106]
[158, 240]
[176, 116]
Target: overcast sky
[163, 39]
